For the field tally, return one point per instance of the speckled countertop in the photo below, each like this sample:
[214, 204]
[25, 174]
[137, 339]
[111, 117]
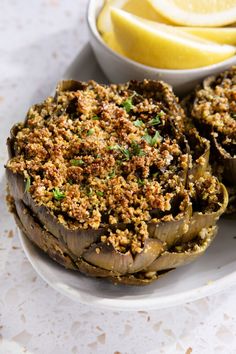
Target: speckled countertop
[38, 40]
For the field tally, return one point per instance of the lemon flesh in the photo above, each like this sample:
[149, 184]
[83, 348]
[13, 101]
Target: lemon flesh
[218, 35]
[141, 8]
[208, 13]
[224, 35]
[110, 39]
[144, 9]
[160, 46]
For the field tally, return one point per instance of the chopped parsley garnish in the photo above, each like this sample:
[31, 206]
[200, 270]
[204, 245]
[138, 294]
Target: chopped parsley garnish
[90, 132]
[125, 152]
[99, 193]
[141, 182]
[70, 181]
[178, 248]
[57, 194]
[156, 120]
[27, 184]
[111, 174]
[95, 118]
[127, 104]
[113, 147]
[76, 162]
[89, 192]
[152, 140]
[234, 116]
[136, 149]
[138, 123]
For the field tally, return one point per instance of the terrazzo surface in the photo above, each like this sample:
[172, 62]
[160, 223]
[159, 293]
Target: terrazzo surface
[38, 40]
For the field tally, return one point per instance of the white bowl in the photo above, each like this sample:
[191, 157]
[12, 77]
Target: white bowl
[119, 69]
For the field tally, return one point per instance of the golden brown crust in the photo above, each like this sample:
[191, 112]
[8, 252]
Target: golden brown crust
[109, 181]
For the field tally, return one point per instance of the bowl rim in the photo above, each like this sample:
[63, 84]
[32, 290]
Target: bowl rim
[91, 22]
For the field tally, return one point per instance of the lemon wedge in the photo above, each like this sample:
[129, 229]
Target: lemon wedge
[161, 46]
[142, 8]
[210, 13]
[224, 35]
[110, 39]
[219, 35]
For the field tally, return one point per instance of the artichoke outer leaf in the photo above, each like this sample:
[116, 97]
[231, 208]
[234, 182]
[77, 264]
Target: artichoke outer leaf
[228, 161]
[169, 260]
[169, 232]
[152, 249]
[106, 257]
[77, 240]
[42, 238]
[200, 220]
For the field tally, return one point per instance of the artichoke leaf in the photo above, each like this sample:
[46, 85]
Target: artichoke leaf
[69, 85]
[169, 232]
[200, 220]
[10, 141]
[152, 249]
[93, 271]
[228, 161]
[77, 240]
[105, 256]
[169, 259]
[16, 184]
[200, 163]
[41, 238]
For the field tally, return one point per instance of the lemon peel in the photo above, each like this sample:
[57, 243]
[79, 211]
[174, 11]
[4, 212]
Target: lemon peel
[210, 13]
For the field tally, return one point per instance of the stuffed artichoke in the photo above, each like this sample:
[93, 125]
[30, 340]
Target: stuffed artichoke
[212, 109]
[105, 180]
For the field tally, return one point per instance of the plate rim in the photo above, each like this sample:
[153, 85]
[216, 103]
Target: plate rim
[121, 304]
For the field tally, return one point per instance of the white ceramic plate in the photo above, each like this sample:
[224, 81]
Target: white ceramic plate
[214, 271]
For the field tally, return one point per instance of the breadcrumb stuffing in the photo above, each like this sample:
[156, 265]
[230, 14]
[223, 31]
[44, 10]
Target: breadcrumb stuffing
[108, 155]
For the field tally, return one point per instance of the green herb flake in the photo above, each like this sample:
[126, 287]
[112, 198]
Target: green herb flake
[111, 174]
[89, 192]
[138, 123]
[70, 181]
[141, 182]
[27, 184]
[95, 118]
[57, 194]
[234, 116]
[156, 138]
[99, 193]
[77, 162]
[156, 120]
[90, 132]
[127, 104]
[152, 140]
[125, 152]
[148, 139]
[136, 149]
[113, 147]
[178, 248]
